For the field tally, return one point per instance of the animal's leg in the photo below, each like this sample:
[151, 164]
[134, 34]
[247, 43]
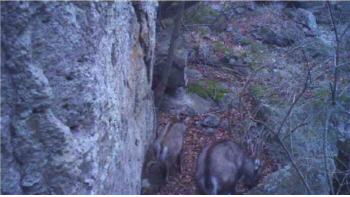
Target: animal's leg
[178, 161]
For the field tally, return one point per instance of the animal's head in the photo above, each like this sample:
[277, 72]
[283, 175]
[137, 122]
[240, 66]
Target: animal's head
[251, 172]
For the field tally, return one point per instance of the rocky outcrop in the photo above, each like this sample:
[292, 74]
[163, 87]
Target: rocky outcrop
[305, 18]
[186, 102]
[75, 96]
[286, 181]
[279, 38]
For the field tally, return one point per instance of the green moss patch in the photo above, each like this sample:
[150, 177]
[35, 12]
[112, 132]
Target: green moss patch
[257, 90]
[207, 88]
[220, 47]
[257, 54]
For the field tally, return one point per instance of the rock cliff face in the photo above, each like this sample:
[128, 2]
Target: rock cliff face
[76, 110]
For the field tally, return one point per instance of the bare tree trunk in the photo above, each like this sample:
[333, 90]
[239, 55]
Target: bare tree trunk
[336, 59]
[159, 91]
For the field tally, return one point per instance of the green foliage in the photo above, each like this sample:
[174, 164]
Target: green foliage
[207, 88]
[320, 92]
[168, 21]
[220, 47]
[318, 102]
[245, 40]
[320, 95]
[202, 32]
[257, 53]
[203, 15]
[257, 90]
[257, 47]
[345, 98]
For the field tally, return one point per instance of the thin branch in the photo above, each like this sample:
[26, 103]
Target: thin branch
[288, 154]
[348, 113]
[308, 77]
[159, 90]
[240, 95]
[336, 59]
[295, 166]
[297, 47]
[325, 151]
[341, 184]
[199, 46]
[195, 25]
[196, 9]
[263, 123]
[295, 128]
[346, 29]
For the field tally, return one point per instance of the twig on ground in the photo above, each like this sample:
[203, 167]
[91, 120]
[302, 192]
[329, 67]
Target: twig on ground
[199, 47]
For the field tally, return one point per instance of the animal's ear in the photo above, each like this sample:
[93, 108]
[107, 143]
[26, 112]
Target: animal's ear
[256, 164]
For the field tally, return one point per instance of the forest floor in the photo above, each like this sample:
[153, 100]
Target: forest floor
[195, 138]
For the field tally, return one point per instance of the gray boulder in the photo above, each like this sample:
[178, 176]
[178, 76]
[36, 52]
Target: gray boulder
[211, 120]
[193, 75]
[286, 181]
[281, 38]
[183, 101]
[317, 49]
[303, 17]
[228, 100]
[209, 130]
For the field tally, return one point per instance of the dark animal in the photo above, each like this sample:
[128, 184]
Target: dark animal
[168, 146]
[221, 165]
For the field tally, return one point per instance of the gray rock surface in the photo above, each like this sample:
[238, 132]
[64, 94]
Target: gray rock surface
[177, 77]
[183, 101]
[303, 17]
[286, 181]
[228, 100]
[225, 124]
[75, 96]
[193, 75]
[279, 38]
[211, 120]
[209, 130]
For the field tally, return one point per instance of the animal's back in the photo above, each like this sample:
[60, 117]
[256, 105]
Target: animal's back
[174, 139]
[200, 170]
[224, 161]
[172, 142]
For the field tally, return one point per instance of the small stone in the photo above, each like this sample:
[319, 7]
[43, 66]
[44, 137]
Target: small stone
[190, 111]
[229, 29]
[210, 130]
[232, 61]
[224, 124]
[198, 124]
[240, 10]
[211, 121]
